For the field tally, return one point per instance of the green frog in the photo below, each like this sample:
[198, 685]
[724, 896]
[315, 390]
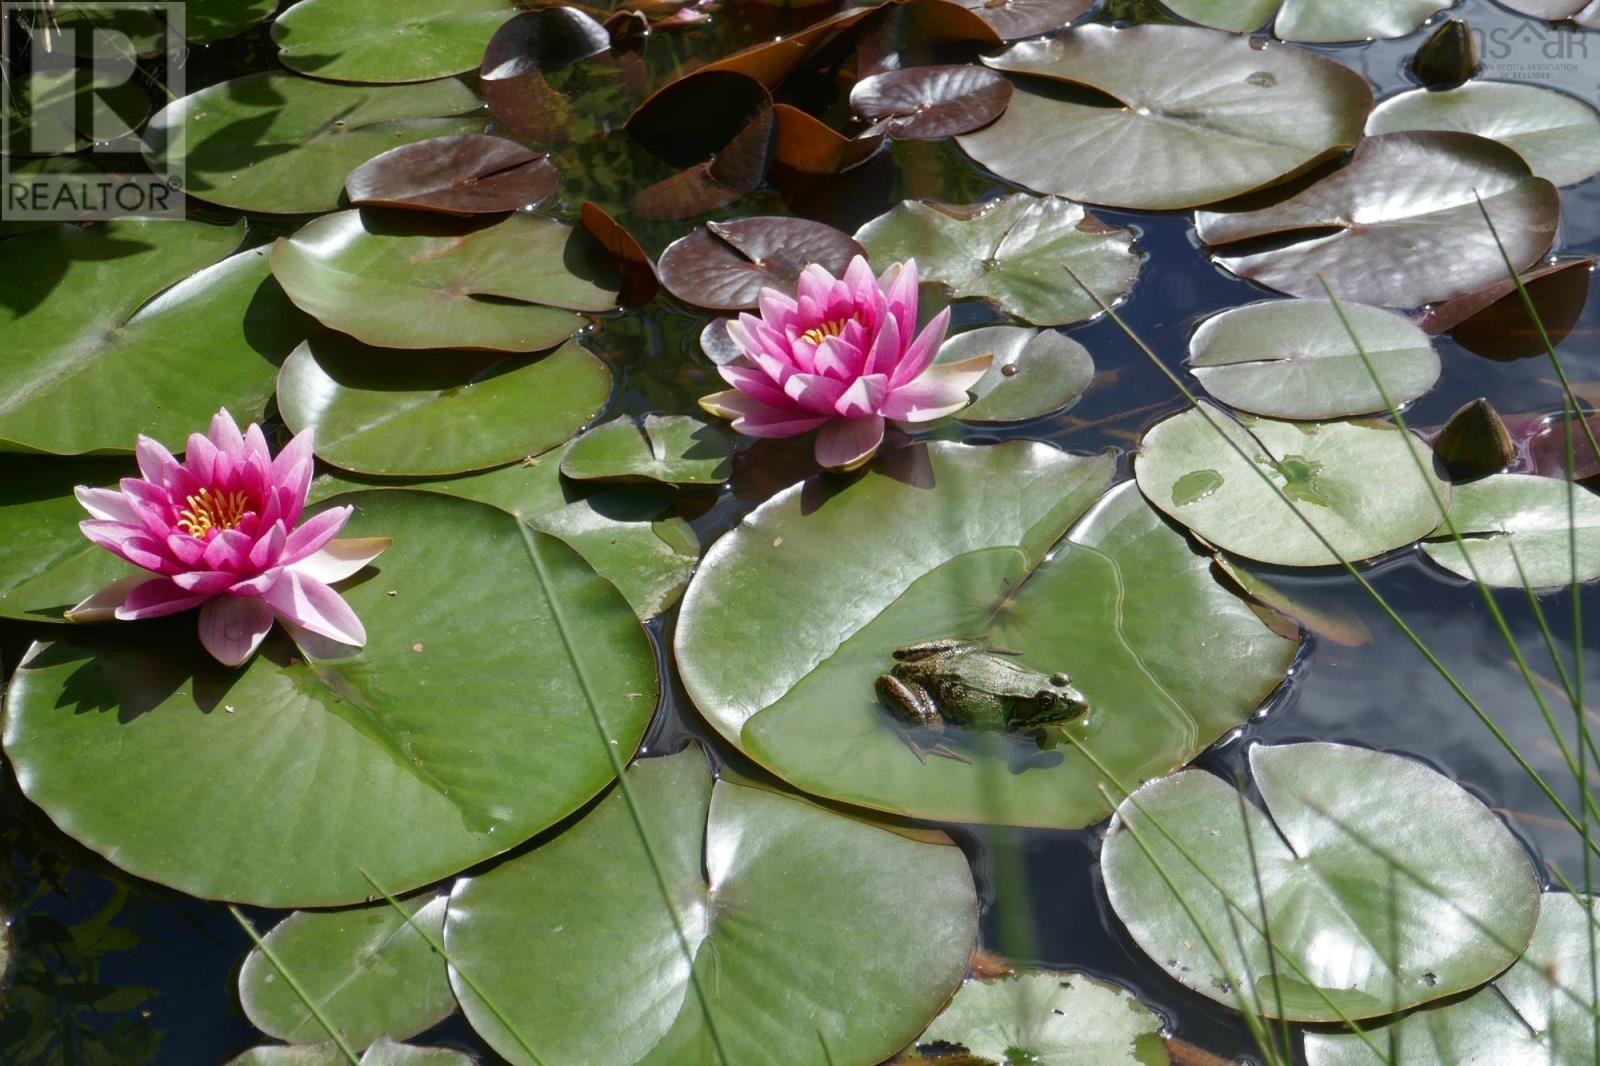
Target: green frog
[977, 687]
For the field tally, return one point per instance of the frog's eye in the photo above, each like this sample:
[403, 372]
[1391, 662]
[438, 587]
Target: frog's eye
[1047, 700]
[1060, 679]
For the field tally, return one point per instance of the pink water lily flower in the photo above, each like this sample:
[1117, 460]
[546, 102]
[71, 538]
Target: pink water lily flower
[841, 357]
[222, 532]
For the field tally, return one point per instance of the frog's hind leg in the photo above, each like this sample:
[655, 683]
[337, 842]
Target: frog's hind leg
[910, 703]
[926, 648]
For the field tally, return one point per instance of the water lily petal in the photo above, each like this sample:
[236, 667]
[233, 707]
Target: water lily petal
[963, 374]
[814, 286]
[815, 393]
[205, 582]
[102, 606]
[308, 602]
[224, 433]
[887, 349]
[900, 292]
[863, 396]
[227, 550]
[919, 354]
[291, 469]
[232, 628]
[109, 505]
[846, 443]
[752, 382]
[314, 532]
[154, 599]
[756, 419]
[341, 558]
[838, 358]
[184, 549]
[130, 542]
[201, 457]
[776, 308]
[924, 400]
[155, 462]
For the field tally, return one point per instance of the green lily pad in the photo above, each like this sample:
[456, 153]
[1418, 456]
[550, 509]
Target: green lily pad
[1011, 252]
[946, 540]
[1034, 373]
[135, 308]
[56, 109]
[1313, 21]
[1398, 226]
[1556, 134]
[1372, 908]
[383, 1053]
[1357, 483]
[432, 282]
[1536, 1012]
[772, 892]
[1512, 520]
[630, 535]
[460, 730]
[402, 413]
[1048, 1019]
[46, 564]
[399, 40]
[283, 144]
[1295, 359]
[149, 32]
[676, 449]
[386, 1052]
[1157, 116]
[369, 972]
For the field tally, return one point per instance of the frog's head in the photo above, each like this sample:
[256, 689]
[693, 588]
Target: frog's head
[1057, 701]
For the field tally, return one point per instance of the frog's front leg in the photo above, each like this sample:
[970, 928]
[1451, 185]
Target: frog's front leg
[910, 702]
[928, 648]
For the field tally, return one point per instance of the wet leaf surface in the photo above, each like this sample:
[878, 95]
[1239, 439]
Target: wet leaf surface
[1011, 252]
[810, 146]
[126, 733]
[370, 974]
[282, 144]
[410, 413]
[470, 174]
[399, 40]
[1357, 483]
[418, 282]
[768, 887]
[1035, 372]
[675, 449]
[723, 266]
[639, 281]
[1493, 322]
[941, 539]
[1517, 529]
[1296, 359]
[1313, 21]
[132, 308]
[717, 125]
[1556, 134]
[1422, 906]
[928, 103]
[1399, 226]
[1537, 1011]
[1049, 1018]
[511, 75]
[1014, 19]
[1166, 116]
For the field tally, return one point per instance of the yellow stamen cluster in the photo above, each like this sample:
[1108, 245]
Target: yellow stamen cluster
[209, 510]
[828, 329]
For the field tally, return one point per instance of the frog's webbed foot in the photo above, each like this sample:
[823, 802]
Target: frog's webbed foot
[922, 753]
[912, 652]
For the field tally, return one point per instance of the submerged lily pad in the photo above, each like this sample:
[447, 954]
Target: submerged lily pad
[1357, 483]
[769, 892]
[1046, 1018]
[946, 540]
[929, 103]
[1011, 252]
[1536, 1012]
[1157, 116]
[283, 144]
[1494, 323]
[1517, 529]
[725, 265]
[1313, 21]
[1295, 359]
[57, 108]
[369, 972]
[1034, 373]
[460, 730]
[46, 564]
[509, 286]
[676, 449]
[1370, 909]
[135, 308]
[1558, 135]
[401, 413]
[1399, 226]
[398, 40]
[471, 174]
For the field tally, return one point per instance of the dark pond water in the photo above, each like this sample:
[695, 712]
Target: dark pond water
[162, 967]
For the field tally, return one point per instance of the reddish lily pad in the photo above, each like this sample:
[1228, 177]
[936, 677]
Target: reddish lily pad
[1493, 322]
[810, 146]
[534, 41]
[832, 39]
[1541, 445]
[723, 266]
[1015, 19]
[1157, 116]
[639, 281]
[1399, 226]
[928, 103]
[422, 284]
[915, 33]
[718, 126]
[469, 174]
